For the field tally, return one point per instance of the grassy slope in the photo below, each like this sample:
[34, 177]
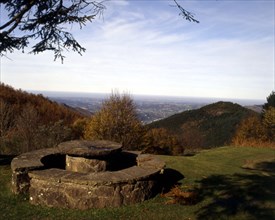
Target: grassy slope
[227, 190]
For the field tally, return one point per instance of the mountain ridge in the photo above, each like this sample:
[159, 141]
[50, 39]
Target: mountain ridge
[209, 126]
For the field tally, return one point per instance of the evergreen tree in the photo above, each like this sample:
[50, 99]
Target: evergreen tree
[44, 22]
[270, 101]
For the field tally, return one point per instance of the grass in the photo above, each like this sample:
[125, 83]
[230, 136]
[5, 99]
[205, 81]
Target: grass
[234, 183]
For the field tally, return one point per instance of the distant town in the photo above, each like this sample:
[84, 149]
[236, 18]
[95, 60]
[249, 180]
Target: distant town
[149, 108]
[148, 111]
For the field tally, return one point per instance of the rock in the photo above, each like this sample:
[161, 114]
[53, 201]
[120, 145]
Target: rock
[54, 192]
[91, 149]
[84, 165]
[85, 183]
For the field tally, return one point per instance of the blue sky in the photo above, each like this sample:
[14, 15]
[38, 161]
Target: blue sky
[144, 47]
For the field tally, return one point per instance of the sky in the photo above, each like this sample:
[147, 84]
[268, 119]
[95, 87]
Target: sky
[145, 47]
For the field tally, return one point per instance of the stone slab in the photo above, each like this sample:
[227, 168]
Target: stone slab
[84, 165]
[92, 149]
[67, 195]
[49, 184]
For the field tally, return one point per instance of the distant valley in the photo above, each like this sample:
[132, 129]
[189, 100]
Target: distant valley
[171, 123]
[149, 108]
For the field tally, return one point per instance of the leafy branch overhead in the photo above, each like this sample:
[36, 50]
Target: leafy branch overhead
[186, 14]
[43, 23]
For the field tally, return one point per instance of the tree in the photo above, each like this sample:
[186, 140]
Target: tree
[160, 141]
[78, 128]
[29, 121]
[116, 121]
[190, 129]
[33, 134]
[27, 126]
[270, 101]
[6, 118]
[250, 131]
[6, 125]
[186, 14]
[52, 134]
[268, 116]
[269, 122]
[45, 23]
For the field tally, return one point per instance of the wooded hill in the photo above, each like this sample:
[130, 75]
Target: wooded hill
[29, 121]
[210, 126]
[48, 110]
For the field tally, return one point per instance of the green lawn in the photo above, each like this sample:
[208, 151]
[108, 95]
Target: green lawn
[234, 183]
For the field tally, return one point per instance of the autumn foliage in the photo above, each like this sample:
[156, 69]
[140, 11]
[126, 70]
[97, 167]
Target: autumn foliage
[160, 141]
[116, 121]
[258, 130]
[250, 131]
[29, 121]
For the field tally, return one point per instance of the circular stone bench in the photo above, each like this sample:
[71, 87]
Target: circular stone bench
[45, 175]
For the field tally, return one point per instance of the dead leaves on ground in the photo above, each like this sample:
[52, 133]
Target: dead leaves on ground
[185, 196]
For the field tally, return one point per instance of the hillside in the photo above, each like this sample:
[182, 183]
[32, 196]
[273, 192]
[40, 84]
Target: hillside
[47, 109]
[210, 126]
[255, 108]
[31, 121]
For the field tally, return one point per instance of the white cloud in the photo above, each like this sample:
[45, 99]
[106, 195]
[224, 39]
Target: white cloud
[120, 2]
[155, 52]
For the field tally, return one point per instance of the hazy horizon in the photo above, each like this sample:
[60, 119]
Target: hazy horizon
[148, 97]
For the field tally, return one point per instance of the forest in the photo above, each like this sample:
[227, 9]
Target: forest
[29, 122]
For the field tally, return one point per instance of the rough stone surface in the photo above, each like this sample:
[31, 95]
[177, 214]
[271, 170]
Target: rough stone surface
[42, 174]
[78, 196]
[84, 165]
[94, 149]
[24, 163]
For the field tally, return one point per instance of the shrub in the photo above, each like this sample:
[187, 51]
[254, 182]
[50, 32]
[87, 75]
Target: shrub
[160, 141]
[116, 121]
[250, 130]
[186, 196]
[269, 122]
